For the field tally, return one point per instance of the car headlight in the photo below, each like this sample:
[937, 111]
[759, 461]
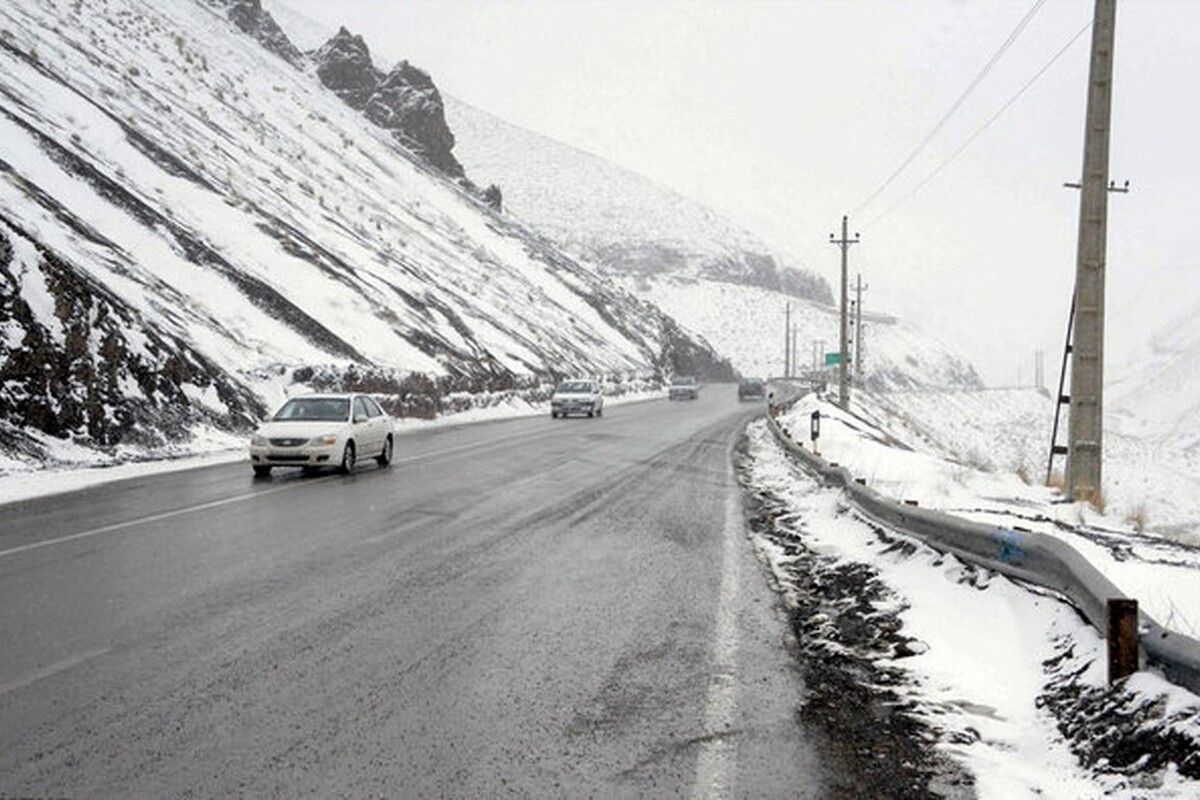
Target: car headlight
[258, 441]
[324, 440]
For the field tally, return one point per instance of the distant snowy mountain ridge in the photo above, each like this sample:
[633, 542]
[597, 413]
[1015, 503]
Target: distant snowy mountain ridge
[623, 221]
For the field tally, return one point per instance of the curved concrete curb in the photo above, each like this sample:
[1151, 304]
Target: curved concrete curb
[1035, 558]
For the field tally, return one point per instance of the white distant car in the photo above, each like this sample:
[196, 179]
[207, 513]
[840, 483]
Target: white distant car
[577, 396]
[323, 430]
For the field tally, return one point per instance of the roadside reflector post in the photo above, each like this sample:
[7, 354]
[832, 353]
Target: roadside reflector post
[814, 428]
[1122, 638]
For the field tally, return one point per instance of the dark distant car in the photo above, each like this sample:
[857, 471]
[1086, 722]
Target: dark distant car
[683, 387]
[752, 389]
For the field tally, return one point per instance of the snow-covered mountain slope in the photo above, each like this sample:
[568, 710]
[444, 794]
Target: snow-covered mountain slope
[1154, 392]
[747, 324]
[185, 211]
[702, 269]
[609, 214]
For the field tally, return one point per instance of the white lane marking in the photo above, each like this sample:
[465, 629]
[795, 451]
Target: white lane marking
[178, 512]
[716, 763]
[52, 669]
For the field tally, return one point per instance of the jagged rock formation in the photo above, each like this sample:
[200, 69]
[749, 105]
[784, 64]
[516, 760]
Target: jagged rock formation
[404, 100]
[345, 68]
[250, 18]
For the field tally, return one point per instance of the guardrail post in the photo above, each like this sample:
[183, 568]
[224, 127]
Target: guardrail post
[1122, 638]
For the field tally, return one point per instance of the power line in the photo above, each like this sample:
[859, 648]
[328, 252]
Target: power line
[979, 131]
[1012, 37]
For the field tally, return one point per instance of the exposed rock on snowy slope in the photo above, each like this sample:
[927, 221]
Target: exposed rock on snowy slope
[222, 217]
[618, 218]
[250, 17]
[403, 100]
[79, 362]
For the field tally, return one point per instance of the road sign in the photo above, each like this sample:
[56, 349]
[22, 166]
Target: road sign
[833, 359]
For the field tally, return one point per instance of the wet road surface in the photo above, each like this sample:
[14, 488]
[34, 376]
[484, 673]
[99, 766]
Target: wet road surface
[527, 608]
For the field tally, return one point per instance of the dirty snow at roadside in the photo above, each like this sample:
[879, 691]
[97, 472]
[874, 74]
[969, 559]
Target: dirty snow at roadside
[976, 671]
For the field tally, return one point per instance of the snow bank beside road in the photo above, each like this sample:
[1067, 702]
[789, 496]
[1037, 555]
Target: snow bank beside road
[959, 468]
[975, 657]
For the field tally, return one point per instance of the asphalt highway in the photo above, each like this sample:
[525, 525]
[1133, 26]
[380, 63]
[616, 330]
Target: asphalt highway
[527, 608]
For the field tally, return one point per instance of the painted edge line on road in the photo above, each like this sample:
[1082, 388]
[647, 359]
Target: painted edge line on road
[52, 669]
[716, 761]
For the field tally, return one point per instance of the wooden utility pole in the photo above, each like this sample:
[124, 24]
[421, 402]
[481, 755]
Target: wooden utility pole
[844, 337]
[1085, 432]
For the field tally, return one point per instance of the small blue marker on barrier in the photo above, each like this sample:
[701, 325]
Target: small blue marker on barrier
[1011, 551]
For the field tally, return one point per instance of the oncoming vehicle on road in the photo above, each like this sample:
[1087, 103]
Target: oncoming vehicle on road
[323, 430]
[752, 389]
[577, 396]
[684, 387]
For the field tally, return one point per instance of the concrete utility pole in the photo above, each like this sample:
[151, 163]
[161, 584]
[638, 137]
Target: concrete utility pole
[844, 357]
[787, 341]
[1085, 433]
[858, 329]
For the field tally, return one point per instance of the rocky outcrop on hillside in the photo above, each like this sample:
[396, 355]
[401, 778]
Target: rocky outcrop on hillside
[250, 18]
[408, 104]
[76, 362]
[404, 100]
[345, 68]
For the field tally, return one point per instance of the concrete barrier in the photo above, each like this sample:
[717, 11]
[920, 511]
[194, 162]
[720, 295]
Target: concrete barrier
[1035, 558]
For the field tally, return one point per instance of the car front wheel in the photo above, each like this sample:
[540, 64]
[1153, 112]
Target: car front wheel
[385, 458]
[261, 471]
[347, 465]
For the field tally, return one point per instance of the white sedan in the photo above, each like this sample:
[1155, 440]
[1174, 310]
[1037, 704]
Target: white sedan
[323, 430]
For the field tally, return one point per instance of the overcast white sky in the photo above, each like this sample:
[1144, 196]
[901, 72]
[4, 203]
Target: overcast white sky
[785, 115]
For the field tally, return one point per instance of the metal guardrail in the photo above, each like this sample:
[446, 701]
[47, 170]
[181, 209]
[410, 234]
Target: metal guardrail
[1035, 558]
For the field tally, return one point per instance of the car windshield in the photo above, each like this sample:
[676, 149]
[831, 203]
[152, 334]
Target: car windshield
[574, 387]
[314, 409]
[753, 382]
[684, 380]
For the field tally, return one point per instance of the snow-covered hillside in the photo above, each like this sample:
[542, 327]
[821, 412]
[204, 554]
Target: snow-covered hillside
[714, 277]
[187, 214]
[616, 217]
[747, 324]
[1155, 390]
